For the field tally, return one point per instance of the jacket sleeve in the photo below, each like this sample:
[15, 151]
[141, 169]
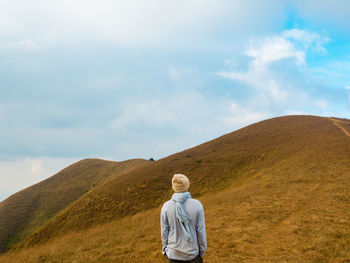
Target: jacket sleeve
[201, 233]
[164, 227]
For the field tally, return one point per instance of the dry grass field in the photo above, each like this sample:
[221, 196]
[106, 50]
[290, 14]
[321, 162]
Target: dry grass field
[275, 191]
[30, 208]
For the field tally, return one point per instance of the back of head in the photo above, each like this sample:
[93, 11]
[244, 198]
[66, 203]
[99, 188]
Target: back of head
[180, 183]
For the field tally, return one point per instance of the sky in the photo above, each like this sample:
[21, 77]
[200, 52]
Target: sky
[121, 79]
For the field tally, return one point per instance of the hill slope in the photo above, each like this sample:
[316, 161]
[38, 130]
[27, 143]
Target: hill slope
[211, 167]
[28, 209]
[286, 199]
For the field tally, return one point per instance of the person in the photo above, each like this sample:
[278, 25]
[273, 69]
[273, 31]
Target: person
[182, 225]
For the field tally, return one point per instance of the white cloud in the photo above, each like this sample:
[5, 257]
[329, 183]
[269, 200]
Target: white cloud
[23, 172]
[132, 22]
[274, 49]
[309, 40]
[347, 87]
[264, 53]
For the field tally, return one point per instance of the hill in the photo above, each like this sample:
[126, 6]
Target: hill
[30, 208]
[275, 191]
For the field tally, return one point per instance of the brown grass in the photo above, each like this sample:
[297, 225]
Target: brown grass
[290, 204]
[342, 124]
[30, 208]
[270, 217]
[211, 167]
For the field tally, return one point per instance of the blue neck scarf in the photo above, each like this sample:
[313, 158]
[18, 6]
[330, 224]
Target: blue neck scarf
[181, 214]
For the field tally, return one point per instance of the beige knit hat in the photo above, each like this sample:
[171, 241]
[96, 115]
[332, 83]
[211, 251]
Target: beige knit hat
[180, 183]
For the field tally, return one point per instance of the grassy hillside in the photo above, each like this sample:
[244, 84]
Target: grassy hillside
[26, 210]
[212, 166]
[277, 191]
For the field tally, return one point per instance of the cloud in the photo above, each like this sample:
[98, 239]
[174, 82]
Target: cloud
[132, 22]
[274, 49]
[126, 79]
[308, 39]
[284, 49]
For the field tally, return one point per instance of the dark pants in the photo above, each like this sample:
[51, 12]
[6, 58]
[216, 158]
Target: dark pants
[197, 259]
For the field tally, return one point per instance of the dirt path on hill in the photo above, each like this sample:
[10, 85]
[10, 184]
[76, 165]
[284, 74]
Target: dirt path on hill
[336, 123]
